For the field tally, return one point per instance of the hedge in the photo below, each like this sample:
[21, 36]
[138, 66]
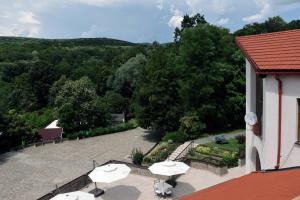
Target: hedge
[103, 130]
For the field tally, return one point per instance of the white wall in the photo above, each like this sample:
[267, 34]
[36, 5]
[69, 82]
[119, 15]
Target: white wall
[267, 144]
[252, 141]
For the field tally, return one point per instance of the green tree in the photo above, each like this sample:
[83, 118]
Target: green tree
[56, 87]
[156, 98]
[18, 131]
[126, 76]
[188, 22]
[41, 77]
[116, 102]
[79, 107]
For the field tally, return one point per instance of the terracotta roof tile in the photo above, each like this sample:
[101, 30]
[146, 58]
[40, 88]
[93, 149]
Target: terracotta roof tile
[277, 185]
[279, 51]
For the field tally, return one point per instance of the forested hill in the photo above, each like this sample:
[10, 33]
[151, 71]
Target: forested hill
[192, 86]
[65, 42]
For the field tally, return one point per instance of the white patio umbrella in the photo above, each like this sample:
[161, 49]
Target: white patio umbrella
[169, 168]
[74, 196]
[109, 173]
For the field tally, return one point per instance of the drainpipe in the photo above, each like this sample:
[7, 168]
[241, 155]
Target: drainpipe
[279, 120]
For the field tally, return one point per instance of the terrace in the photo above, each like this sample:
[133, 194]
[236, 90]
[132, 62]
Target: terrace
[140, 187]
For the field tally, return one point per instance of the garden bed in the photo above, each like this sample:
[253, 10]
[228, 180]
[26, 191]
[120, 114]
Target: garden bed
[160, 153]
[218, 155]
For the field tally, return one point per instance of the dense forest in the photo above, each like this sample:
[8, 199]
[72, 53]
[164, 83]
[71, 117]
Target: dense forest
[194, 85]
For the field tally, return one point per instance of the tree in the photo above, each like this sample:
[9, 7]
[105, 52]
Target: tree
[188, 22]
[79, 107]
[156, 98]
[116, 102]
[207, 64]
[126, 76]
[18, 132]
[56, 87]
[41, 77]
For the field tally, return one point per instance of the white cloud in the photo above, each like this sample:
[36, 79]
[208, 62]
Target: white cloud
[223, 21]
[265, 10]
[160, 4]
[28, 18]
[94, 31]
[175, 21]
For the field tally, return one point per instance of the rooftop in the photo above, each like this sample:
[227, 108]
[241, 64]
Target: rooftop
[272, 52]
[277, 185]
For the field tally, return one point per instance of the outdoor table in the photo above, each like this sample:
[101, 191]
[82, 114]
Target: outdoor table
[163, 187]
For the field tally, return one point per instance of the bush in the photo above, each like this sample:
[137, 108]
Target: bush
[221, 139]
[241, 139]
[230, 159]
[177, 137]
[137, 156]
[161, 153]
[103, 130]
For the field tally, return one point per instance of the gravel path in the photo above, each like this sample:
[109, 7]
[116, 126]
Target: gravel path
[33, 172]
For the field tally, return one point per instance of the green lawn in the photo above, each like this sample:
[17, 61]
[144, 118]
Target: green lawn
[232, 145]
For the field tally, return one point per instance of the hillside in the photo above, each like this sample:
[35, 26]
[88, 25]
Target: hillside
[66, 42]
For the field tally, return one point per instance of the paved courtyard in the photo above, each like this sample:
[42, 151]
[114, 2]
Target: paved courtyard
[34, 171]
[137, 187]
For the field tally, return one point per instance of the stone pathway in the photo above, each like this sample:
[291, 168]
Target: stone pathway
[33, 172]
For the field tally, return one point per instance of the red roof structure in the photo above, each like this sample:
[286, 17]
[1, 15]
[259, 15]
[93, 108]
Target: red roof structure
[275, 185]
[272, 52]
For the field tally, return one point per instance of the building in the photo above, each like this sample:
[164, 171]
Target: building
[273, 93]
[52, 132]
[275, 185]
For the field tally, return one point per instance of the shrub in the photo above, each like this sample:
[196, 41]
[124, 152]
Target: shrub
[230, 159]
[177, 137]
[221, 139]
[103, 130]
[192, 126]
[137, 156]
[241, 139]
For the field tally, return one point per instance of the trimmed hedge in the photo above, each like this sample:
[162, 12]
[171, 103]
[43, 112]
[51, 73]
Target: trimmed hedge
[103, 130]
[177, 137]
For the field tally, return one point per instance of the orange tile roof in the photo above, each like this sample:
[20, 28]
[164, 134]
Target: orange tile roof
[277, 185]
[279, 51]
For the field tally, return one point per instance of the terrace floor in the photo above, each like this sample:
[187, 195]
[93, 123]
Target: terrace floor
[34, 171]
[137, 187]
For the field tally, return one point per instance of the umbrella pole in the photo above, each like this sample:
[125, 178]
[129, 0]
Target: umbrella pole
[96, 185]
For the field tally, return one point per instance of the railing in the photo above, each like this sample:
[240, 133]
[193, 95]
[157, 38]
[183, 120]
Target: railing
[185, 151]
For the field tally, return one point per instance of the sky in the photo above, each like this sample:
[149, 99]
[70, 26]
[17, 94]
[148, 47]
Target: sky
[131, 20]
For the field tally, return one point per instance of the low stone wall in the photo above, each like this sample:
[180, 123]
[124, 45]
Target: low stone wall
[84, 180]
[216, 170]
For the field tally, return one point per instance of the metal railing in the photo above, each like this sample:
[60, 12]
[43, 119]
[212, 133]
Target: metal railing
[185, 151]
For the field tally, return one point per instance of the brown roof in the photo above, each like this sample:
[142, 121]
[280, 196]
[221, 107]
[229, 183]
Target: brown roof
[277, 185]
[279, 51]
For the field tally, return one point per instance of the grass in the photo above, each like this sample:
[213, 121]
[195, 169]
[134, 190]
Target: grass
[224, 132]
[232, 145]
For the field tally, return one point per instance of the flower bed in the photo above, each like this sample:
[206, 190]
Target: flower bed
[218, 155]
[160, 153]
